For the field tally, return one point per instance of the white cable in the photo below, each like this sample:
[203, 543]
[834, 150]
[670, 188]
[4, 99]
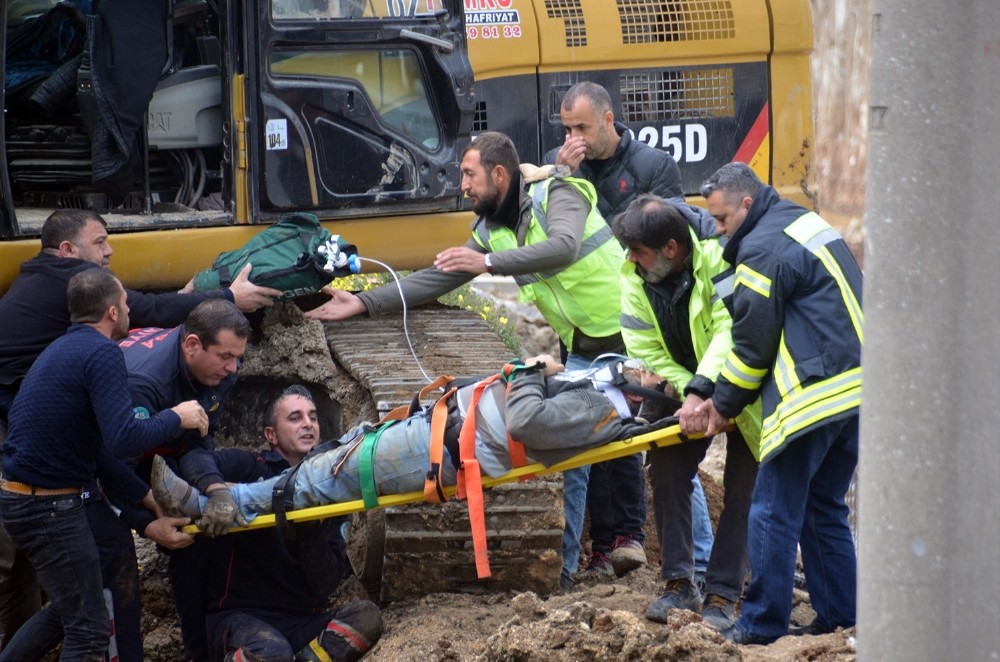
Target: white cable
[406, 331]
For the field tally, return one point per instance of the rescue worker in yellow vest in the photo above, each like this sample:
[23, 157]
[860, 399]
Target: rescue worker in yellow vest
[675, 323]
[542, 228]
[797, 334]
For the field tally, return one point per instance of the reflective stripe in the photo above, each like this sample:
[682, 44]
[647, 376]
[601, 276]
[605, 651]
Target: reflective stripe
[784, 369]
[587, 246]
[759, 283]
[594, 241]
[850, 301]
[807, 226]
[809, 406]
[822, 239]
[538, 196]
[482, 235]
[724, 287]
[742, 375]
[634, 323]
[814, 234]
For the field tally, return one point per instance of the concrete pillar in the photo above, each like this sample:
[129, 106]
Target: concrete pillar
[929, 499]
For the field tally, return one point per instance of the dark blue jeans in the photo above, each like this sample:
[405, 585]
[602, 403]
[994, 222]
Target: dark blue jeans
[799, 500]
[267, 636]
[20, 598]
[55, 535]
[616, 501]
[120, 577]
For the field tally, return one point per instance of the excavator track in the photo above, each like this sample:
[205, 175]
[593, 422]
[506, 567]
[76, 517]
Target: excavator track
[425, 548]
[358, 370]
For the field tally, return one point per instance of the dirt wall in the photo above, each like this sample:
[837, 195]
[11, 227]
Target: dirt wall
[840, 68]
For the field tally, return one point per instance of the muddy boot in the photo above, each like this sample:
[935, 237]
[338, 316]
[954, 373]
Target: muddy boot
[351, 632]
[171, 492]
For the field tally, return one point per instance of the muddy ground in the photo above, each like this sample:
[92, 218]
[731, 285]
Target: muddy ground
[598, 619]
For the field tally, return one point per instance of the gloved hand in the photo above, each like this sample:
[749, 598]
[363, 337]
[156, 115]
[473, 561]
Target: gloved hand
[219, 513]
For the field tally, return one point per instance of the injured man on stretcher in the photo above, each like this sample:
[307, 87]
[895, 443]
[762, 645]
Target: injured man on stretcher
[556, 414]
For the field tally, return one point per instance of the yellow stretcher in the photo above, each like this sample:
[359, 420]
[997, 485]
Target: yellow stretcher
[667, 436]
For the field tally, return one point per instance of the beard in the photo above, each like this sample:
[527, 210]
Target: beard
[658, 271]
[120, 330]
[488, 204]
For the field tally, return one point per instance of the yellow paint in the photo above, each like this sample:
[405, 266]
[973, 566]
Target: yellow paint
[167, 259]
[240, 172]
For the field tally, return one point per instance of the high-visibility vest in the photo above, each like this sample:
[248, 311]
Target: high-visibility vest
[584, 295]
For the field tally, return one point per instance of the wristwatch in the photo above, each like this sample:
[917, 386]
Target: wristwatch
[489, 264]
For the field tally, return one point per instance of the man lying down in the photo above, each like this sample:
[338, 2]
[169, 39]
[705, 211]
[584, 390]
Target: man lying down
[556, 414]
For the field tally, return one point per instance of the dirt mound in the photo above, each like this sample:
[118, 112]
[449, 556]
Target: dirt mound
[597, 620]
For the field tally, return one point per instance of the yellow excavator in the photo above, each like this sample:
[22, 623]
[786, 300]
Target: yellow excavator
[190, 125]
[358, 110]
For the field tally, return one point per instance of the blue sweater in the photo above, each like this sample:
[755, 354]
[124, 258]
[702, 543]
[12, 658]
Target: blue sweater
[34, 311]
[72, 418]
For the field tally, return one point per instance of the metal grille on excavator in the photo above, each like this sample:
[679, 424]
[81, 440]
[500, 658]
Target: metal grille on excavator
[427, 548]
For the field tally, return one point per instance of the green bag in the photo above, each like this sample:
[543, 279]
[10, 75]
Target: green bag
[296, 255]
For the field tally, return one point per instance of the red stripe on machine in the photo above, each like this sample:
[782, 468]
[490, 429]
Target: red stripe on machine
[755, 137]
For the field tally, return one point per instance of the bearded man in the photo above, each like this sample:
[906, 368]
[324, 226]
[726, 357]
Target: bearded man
[674, 318]
[544, 229]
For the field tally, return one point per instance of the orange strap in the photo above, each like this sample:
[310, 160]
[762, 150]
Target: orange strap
[403, 412]
[470, 480]
[433, 487]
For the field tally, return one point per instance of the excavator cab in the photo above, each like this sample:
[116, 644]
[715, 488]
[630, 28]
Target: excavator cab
[356, 109]
[192, 113]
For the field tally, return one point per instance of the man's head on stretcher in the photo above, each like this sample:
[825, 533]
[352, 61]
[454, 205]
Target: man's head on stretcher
[649, 397]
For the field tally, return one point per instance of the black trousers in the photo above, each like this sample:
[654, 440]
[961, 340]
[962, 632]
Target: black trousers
[671, 470]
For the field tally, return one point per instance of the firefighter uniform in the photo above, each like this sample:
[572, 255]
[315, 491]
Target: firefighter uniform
[797, 334]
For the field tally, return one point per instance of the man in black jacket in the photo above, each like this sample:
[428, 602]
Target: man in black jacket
[34, 313]
[603, 151]
[198, 360]
[268, 592]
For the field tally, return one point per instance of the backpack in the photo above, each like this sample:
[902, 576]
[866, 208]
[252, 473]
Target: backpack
[296, 255]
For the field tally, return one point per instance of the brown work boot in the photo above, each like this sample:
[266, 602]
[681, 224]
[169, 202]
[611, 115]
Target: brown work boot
[627, 554]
